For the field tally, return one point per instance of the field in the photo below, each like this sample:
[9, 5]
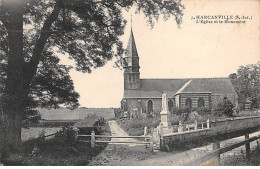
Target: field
[62, 114]
[34, 132]
[80, 113]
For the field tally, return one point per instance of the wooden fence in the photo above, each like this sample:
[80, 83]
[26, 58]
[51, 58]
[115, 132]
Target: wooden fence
[214, 156]
[148, 140]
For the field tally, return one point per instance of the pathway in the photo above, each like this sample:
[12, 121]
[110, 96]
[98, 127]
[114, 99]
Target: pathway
[120, 154]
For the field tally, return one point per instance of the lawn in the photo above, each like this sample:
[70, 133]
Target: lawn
[241, 160]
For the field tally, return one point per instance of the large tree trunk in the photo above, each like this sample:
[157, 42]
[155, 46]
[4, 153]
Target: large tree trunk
[15, 93]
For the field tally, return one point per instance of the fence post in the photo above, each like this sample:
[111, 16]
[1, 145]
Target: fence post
[180, 128]
[145, 134]
[216, 160]
[145, 131]
[76, 134]
[151, 142]
[93, 139]
[195, 125]
[247, 146]
[208, 123]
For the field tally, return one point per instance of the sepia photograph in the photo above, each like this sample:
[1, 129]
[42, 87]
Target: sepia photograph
[129, 83]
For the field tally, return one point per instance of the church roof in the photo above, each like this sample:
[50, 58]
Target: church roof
[131, 50]
[154, 88]
[213, 85]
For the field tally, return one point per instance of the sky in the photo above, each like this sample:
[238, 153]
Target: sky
[195, 50]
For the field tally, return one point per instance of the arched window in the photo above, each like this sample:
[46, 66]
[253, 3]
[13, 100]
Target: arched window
[201, 102]
[188, 103]
[170, 104]
[149, 106]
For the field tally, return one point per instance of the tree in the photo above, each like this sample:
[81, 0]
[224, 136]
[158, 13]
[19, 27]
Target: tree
[87, 30]
[247, 82]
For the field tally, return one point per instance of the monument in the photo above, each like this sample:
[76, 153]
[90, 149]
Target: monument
[165, 114]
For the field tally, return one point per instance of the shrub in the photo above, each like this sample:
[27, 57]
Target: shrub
[117, 112]
[135, 127]
[203, 110]
[225, 107]
[179, 111]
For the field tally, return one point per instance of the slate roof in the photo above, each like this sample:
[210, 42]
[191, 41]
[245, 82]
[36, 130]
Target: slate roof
[213, 85]
[131, 50]
[154, 88]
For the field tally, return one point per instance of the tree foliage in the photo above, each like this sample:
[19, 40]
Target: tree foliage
[33, 31]
[247, 82]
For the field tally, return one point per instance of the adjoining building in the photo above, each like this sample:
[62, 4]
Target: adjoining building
[145, 95]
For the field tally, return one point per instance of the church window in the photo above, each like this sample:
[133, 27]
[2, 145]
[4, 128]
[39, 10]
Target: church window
[188, 103]
[170, 105]
[149, 106]
[131, 78]
[201, 102]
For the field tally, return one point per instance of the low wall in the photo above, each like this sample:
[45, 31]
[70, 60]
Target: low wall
[221, 129]
[234, 124]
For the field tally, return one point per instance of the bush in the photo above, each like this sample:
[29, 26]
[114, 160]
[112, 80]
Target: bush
[179, 111]
[225, 107]
[203, 111]
[135, 127]
[58, 151]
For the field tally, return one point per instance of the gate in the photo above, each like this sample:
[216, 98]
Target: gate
[148, 140]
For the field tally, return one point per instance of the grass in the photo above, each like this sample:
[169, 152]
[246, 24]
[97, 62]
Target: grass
[247, 113]
[59, 151]
[241, 160]
[34, 132]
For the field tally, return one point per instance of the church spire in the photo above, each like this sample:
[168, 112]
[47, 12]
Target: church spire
[131, 73]
[131, 50]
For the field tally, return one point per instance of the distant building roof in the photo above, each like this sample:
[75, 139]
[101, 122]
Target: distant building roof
[154, 88]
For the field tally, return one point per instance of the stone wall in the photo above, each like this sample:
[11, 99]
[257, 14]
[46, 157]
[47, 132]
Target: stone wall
[235, 127]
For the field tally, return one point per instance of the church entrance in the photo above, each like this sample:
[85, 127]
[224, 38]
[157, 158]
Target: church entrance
[149, 106]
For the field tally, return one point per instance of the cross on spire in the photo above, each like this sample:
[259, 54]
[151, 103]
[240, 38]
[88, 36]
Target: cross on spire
[131, 21]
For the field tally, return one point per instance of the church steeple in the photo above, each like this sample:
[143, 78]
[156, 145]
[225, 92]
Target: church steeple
[131, 50]
[131, 55]
[131, 73]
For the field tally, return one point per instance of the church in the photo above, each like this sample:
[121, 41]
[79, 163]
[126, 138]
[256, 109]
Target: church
[145, 95]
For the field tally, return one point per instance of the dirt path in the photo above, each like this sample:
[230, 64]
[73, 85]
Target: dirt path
[138, 155]
[120, 154]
